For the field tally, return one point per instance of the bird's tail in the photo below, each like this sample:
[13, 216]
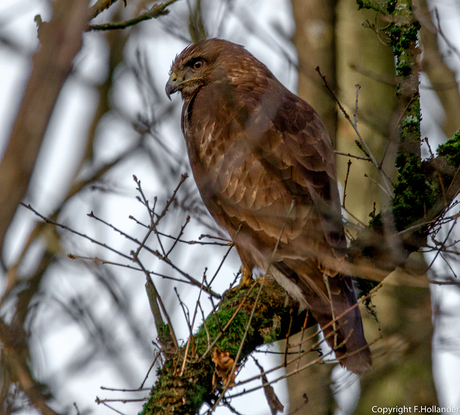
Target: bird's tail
[342, 324]
[332, 302]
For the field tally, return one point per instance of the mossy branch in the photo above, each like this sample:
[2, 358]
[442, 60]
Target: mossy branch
[187, 379]
[424, 189]
[423, 192]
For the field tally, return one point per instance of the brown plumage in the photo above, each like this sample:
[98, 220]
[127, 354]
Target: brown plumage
[264, 165]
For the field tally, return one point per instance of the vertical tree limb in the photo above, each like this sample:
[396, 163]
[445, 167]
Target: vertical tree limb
[15, 359]
[314, 39]
[60, 41]
[442, 78]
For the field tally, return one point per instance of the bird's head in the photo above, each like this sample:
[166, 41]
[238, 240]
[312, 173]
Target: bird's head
[208, 61]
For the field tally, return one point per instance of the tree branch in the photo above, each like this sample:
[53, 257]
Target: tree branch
[156, 11]
[60, 40]
[272, 320]
[15, 359]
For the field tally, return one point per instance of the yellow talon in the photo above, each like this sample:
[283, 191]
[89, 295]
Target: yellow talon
[246, 277]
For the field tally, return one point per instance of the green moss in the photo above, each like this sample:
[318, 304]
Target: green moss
[382, 6]
[230, 340]
[189, 390]
[184, 393]
[364, 287]
[214, 324]
[414, 195]
[422, 191]
[376, 221]
[395, 34]
[164, 332]
[451, 150]
[391, 5]
[402, 36]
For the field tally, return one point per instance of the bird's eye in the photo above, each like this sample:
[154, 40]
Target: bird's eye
[198, 64]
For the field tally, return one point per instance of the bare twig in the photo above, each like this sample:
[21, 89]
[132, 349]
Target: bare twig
[355, 115]
[181, 232]
[352, 155]
[105, 388]
[221, 263]
[155, 300]
[346, 183]
[148, 371]
[156, 11]
[378, 184]
[452, 47]
[361, 139]
[117, 264]
[82, 235]
[163, 213]
[99, 7]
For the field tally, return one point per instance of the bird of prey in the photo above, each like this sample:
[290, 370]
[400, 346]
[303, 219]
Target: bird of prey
[264, 165]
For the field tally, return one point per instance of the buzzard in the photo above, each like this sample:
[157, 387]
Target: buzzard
[264, 166]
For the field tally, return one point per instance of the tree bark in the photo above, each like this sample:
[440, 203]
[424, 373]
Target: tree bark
[315, 42]
[442, 78]
[60, 41]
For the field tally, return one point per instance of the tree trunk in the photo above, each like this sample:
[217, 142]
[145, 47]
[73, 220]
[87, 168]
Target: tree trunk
[315, 41]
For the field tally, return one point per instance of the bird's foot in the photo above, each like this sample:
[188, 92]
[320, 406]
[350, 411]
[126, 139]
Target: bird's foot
[246, 277]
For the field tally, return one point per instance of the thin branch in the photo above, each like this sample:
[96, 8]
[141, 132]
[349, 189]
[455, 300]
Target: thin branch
[105, 388]
[156, 11]
[355, 115]
[154, 224]
[82, 235]
[221, 263]
[99, 7]
[352, 155]
[346, 183]
[181, 232]
[148, 371]
[117, 264]
[155, 300]
[444, 37]
[361, 139]
[378, 184]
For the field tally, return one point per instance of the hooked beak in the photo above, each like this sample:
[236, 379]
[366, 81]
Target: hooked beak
[172, 86]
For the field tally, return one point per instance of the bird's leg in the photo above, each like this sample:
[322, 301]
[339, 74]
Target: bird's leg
[246, 276]
[334, 325]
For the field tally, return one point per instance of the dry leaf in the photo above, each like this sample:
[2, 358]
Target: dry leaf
[224, 364]
[272, 399]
